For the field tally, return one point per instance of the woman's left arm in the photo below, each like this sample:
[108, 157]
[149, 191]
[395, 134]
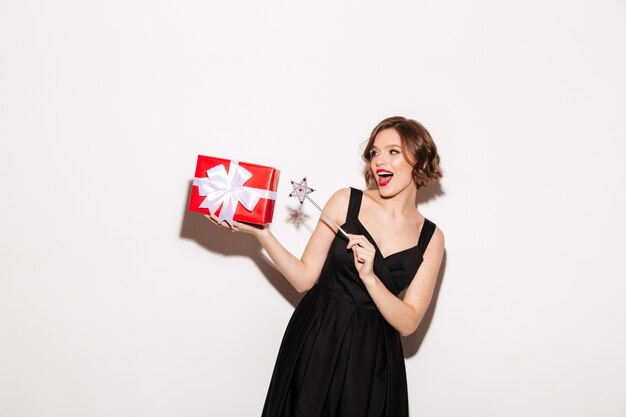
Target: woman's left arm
[405, 315]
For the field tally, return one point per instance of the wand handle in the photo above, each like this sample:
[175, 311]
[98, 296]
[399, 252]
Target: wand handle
[328, 217]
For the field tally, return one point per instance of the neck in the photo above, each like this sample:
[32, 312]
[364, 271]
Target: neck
[400, 204]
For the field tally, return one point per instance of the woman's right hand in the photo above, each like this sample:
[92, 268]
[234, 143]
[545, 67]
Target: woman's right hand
[253, 229]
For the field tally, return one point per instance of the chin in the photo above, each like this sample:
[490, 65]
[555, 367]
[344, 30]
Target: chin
[391, 189]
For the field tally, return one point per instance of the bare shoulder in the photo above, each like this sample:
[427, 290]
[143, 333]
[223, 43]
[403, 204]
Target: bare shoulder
[337, 205]
[438, 234]
[342, 194]
[437, 241]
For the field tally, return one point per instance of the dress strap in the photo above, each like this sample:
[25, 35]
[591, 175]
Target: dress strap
[427, 232]
[354, 205]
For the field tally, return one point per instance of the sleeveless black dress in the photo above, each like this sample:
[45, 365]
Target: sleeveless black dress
[339, 357]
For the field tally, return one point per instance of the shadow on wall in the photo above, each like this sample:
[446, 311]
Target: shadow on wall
[219, 240]
[411, 344]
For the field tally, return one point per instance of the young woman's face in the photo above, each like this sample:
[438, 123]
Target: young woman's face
[387, 158]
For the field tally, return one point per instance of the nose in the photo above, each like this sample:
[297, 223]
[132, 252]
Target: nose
[380, 160]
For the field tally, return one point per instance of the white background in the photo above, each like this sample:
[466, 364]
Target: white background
[116, 301]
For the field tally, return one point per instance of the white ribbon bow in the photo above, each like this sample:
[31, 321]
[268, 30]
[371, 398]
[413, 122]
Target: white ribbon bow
[227, 189]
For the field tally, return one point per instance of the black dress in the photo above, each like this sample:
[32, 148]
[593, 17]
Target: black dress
[339, 357]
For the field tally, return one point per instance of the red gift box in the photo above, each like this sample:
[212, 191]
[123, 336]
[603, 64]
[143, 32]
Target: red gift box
[234, 190]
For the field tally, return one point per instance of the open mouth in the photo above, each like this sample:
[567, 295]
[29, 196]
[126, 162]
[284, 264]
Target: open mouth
[384, 177]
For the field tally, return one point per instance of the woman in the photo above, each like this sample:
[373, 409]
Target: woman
[341, 354]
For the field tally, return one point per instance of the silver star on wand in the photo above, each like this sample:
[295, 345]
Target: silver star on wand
[302, 191]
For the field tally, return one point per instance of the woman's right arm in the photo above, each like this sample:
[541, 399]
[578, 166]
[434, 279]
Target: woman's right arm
[303, 273]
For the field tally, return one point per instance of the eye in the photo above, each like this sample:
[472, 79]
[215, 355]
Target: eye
[394, 150]
[373, 153]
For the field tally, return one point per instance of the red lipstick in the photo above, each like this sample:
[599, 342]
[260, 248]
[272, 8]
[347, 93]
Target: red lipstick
[384, 177]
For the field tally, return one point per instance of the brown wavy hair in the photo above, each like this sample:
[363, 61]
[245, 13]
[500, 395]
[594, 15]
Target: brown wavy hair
[417, 145]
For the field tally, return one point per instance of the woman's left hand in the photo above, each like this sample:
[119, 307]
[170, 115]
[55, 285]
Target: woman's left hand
[363, 252]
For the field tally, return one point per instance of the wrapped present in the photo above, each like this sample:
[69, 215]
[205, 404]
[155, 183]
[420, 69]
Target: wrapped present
[234, 190]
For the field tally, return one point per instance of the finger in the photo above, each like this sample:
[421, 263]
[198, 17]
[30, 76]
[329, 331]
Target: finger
[225, 224]
[355, 238]
[352, 239]
[363, 242]
[357, 243]
[357, 254]
[366, 254]
[352, 244]
[356, 257]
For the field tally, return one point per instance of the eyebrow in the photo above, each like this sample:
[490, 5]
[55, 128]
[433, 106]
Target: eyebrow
[388, 146]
